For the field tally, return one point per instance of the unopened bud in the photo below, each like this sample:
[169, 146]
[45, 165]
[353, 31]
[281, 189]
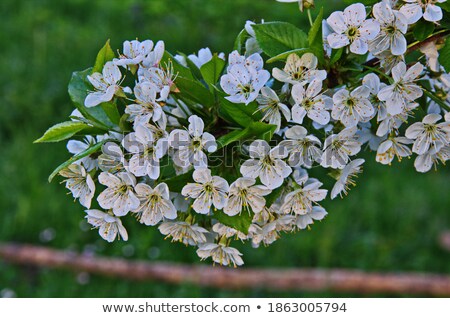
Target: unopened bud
[306, 4]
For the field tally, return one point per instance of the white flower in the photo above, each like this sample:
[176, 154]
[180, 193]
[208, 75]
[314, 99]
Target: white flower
[154, 57]
[414, 10]
[391, 123]
[266, 164]
[306, 192]
[367, 135]
[351, 28]
[374, 84]
[208, 190]
[76, 146]
[155, 204]
[162, 78]
[179, 112]
[428, 134]
[80, 183]
[225, 231]
[346, 178]
[244, 194]
[311, 103]
[251, 44]
[119, 196]
[424, 162]
[254, 61]
[112, 158]
[394, 146]
[180, 202]
[204, 56]
[317, 213]
[220, 254]
[105, 84]
[108, 225]
[388, 61]
[338, 148]
[159, 131]
[145, 152]
[285, 222]
[272, 108]
[267, 234]
[304, 149]
[352, 108]
[190, 144]
[243, 83]
[431, 52]
[186, 233]
[303, 4]
[403, 91]
[299, 70]
[146, 107]
[393, 26]
[76, 115]
[134, 52]
[326, 31]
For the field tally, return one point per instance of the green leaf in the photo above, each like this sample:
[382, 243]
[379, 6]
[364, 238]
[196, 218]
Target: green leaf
[255, 130]
[445, 6]
[79, 88]
[125, 124]
[193, 67]
[240, 222]
[315, 38]
[437, 100]
[167, 168]
[275, 38]
[444, 55]
[239, 43]
[273, 196]
[112, 112]
[177, 183]
[336, 55]
[195, 91]
[423, 29]
[62, 131]
[231, 137]
[261, 130]
[240, 114]
[89, 151]
[284, 55]
[106, 54]
[212, 70]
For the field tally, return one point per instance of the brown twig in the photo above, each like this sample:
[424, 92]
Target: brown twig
[415, 47]
[337, 280]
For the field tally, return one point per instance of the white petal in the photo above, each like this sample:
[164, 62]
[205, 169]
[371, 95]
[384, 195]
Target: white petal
[432, 13]
[196, 126]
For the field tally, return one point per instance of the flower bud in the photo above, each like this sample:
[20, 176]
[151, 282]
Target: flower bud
[306, 4]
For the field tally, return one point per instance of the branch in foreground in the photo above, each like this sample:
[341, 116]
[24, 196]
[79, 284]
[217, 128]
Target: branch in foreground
[337, 280]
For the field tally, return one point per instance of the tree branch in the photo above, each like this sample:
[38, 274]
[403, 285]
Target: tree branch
[336, 280]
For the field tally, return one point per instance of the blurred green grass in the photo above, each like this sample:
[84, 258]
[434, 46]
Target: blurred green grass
[390, 222]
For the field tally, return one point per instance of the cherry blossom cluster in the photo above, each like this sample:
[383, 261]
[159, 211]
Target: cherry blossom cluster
[168, 166]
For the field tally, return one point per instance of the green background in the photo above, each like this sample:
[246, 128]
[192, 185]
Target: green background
[390, 222]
